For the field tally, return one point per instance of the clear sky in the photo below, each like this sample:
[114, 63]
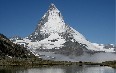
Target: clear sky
[95, 19]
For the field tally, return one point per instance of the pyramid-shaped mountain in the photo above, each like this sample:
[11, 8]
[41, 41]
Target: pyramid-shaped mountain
[53, 34]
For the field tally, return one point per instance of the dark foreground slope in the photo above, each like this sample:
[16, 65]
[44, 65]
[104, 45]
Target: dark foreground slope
[9, 49]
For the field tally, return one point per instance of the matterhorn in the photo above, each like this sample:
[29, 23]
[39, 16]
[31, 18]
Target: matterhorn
[52, 34]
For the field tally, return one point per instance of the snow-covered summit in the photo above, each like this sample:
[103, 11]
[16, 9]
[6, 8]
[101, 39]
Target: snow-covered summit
[53, 7]
[52, 21]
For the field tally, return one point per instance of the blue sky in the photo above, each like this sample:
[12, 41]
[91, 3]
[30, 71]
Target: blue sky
[95, 19]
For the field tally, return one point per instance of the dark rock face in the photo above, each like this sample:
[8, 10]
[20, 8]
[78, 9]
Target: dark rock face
[7, 48]
[71, 48]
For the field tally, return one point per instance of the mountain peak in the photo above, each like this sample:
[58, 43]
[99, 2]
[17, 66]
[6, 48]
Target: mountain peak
[52, 7]
[52, 21]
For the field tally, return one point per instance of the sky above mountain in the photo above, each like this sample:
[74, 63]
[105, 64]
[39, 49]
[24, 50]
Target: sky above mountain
[95, 19]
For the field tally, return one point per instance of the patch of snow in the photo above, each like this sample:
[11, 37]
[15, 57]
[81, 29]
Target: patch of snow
[47, 44]
[36, 33]
[10, 56]
[102, 48]
[72, 40]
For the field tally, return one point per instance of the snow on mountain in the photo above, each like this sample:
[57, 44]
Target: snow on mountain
[81, 39]
[49, 43]
[106, 48]
[53, 33]
[54, 22]
[53, 25]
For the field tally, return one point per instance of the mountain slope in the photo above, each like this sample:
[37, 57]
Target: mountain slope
[9, 49]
